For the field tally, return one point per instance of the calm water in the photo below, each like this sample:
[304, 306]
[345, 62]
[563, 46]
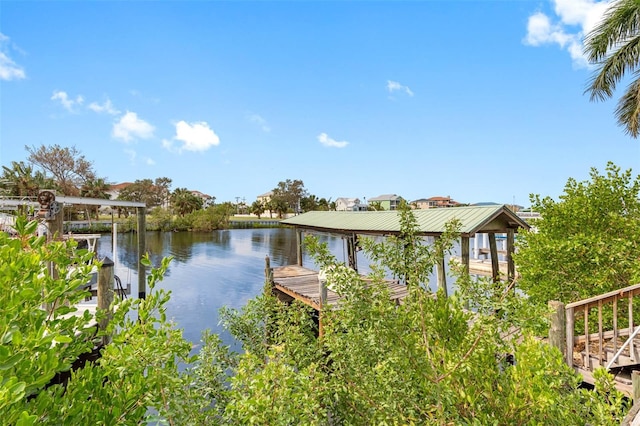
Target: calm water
[208, 270]
[213, 269]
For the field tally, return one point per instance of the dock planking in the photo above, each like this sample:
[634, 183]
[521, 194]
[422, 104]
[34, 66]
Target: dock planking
[302, 284]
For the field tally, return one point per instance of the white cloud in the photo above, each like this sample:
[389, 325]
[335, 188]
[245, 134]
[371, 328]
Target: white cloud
[194, 136]
[572, 20]
[106, 107]
[325, 140]
[393, 86]
[260, 121]
[9, 70]
[130, 127]
[150, 162]
[68, 103]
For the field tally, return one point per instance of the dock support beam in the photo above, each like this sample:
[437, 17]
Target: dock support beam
[299, 240]
[511, 267]
[495, 267]
[352, 251]
[141, 213]
[464, 248]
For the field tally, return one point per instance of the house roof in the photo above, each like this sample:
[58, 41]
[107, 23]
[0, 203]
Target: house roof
[439, 198]
[432, 222]
[386, 197]
[119, 186]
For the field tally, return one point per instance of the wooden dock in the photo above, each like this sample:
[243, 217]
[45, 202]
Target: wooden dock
[580, 330]
[300, 283]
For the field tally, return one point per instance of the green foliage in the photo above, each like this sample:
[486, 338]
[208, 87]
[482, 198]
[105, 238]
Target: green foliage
[587, 243]
[612, 46]
[137, 374]
[288, 193]
[41, 282]
[406, 255]
[425, 361]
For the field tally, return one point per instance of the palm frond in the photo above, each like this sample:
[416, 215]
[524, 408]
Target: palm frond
[628, 109]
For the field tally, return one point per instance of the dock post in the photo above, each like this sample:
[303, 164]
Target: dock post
[569, 325]
[476, 242]
[322, 290]
[511, 267]
[142, 229]
[105, 292]
[299, 246]
[268, 270]
[495, 268]
[557, 329]
[635, 384]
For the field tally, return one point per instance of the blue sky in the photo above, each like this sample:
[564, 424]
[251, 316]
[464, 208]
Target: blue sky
[477, 100]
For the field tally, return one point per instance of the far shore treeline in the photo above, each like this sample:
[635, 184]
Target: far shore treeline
[66, 171]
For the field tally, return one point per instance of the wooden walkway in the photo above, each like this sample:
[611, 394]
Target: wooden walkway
[300, 283]
[599, 332]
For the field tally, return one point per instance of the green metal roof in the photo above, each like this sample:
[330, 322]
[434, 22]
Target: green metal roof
[496, 218]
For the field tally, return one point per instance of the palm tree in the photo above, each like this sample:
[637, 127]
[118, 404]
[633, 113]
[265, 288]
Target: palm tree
[20, 180]
[95, 188]
[614, 47]
[184, 201]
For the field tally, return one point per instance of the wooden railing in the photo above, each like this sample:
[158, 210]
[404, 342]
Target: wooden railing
[598, 345]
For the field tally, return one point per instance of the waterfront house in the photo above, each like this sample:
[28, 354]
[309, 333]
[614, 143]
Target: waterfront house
[434, 202]
[350, 204]
[387, 201]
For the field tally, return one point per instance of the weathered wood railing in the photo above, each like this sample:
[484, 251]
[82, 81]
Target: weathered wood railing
[607, 341]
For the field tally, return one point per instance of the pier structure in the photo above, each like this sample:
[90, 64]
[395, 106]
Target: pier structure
[491, 221]
[297, 282]
[49, 209]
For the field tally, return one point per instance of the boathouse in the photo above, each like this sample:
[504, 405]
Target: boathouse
[474, 220]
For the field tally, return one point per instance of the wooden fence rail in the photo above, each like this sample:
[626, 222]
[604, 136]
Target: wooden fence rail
[598, 345]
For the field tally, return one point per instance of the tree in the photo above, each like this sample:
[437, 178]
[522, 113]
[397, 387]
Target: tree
[184, 201]
[614, 47]
[95, 188]
[257, 208]
[153, 194]
[20, 180]
[375, 206]
[68, 167]
[309, 203]
[138, 378]
[291, 193]
[278, 205]
[587, 243]
[425, 361]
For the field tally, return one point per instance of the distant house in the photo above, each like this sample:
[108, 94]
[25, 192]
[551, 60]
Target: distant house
[349, 204]
[434, 202]
[265, 198]
[206, 198]
[387, 201]
[114, 190]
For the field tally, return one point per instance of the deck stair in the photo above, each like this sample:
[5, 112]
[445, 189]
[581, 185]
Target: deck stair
[602, 332]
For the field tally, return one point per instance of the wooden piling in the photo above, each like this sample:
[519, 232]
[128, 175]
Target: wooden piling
[511, 267]
[105, 292]
[299, 240]
[493, 248]
[557, 329]
[142, 229]
[635, 384]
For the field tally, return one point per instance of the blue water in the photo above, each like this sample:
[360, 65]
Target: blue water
[214, 269]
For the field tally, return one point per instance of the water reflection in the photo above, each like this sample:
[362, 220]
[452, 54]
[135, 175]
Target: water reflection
[209, 270]
[214, 269]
